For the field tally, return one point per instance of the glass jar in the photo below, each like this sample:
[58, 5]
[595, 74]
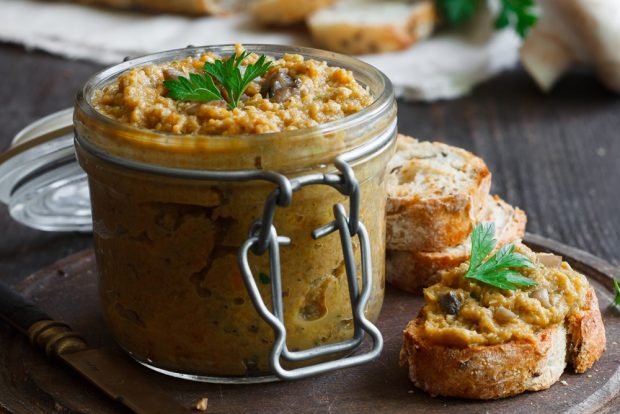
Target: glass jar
[170, 214]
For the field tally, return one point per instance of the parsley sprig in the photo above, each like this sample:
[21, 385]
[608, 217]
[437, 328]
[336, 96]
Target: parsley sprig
[520, 14]
[617, 290]
[499, 269]
[227, 73]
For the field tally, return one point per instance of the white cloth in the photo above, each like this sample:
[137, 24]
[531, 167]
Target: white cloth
[445, 66]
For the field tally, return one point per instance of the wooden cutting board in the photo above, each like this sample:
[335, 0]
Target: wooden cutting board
[32, 384]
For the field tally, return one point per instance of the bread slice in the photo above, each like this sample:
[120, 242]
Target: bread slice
[484, 372]
[367, 26]
[436, 194]
[190, 7]
[285, 12]
[586, 335]
[510, 368]
[413, 271]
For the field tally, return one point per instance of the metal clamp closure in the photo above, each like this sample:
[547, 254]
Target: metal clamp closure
[263, 237]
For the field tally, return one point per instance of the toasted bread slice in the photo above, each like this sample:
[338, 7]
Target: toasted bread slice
[436, 194]
[484, 372]
[367, 26]
[412, 271]
[285, 12]
[586, 340]
[444, 363]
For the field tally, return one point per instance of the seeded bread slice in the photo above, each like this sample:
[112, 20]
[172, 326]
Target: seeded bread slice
[436, 194]
[367, 26]
[285, 12]
[413, 271]
[506, 369]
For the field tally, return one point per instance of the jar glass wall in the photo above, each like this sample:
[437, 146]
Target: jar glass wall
[167, 247]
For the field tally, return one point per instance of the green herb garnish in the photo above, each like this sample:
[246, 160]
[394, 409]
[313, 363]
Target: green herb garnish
[499, 269]
[617, 290]
[520, 14]
[264, 278]
[227, 73]
[457, 12]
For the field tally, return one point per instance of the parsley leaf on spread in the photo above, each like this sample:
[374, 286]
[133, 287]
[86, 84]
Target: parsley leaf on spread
[227, 73]
[499, 269]
[521, 14]
[195, 88]
[617, 290]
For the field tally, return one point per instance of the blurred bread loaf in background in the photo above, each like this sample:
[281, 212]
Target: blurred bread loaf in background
[285, 12]
[345, 26]
[364, 26]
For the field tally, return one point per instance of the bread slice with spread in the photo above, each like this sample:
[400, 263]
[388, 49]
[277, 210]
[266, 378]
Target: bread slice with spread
[436, 194]
[473, 340]
[414, 270]
[371, 26]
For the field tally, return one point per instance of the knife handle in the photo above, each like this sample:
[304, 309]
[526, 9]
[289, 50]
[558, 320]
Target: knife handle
[56, 338]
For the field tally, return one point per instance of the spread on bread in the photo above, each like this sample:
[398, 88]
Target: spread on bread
[488, 315]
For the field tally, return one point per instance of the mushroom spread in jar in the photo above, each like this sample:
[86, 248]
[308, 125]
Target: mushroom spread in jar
[168, 242]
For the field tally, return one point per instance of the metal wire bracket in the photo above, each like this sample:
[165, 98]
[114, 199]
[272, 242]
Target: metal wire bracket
[264, 237]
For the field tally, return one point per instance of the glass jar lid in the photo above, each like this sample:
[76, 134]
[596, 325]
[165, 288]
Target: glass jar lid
[40, 180]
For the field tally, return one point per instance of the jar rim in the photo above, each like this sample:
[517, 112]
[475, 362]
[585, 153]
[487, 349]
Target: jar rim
[376, 109]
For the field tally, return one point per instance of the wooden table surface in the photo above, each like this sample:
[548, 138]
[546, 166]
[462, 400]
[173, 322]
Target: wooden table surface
[557, 156]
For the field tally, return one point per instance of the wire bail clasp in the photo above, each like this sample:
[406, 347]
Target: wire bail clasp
[265, 238]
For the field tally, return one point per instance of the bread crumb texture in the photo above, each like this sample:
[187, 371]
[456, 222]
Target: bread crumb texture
[202, 405]
[320, 94]
[488, 315]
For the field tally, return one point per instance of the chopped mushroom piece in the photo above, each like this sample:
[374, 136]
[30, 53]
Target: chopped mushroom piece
[503, 315]
[542, 295]
[450, 303]
[172, 73]
[549, 260]
[279, 86]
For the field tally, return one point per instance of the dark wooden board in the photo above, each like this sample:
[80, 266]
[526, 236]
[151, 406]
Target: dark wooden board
[30, 384]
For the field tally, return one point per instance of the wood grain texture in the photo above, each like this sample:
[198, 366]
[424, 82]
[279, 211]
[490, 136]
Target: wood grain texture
[380, 386]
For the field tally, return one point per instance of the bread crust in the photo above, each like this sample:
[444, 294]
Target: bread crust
[586, 331]
[503, 370]
[366, 38]
[482, 372]
[414, 270]
[434, 216]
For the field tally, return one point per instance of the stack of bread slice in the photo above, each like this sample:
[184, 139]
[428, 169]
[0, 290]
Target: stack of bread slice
[436, 195]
